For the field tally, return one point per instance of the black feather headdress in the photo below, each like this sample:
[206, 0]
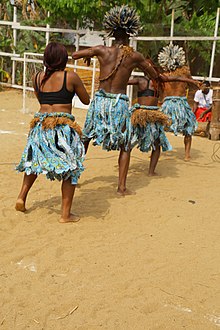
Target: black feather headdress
[123, 17]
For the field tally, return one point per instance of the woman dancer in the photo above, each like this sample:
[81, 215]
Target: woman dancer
[54, 146]
[148, 121]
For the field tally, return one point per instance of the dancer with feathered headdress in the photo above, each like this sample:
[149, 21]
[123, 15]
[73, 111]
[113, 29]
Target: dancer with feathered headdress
[108, 119]
[173, 62]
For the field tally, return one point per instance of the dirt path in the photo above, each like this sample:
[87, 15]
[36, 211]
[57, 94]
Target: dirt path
[149, 261]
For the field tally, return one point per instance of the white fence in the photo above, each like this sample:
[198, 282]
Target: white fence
[133, 42]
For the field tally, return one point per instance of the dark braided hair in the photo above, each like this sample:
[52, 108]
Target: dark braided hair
[55, 59]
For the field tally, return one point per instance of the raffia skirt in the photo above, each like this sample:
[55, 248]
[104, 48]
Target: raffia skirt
[179, 112]
[148, 126]
[54, 147]
[108, 121]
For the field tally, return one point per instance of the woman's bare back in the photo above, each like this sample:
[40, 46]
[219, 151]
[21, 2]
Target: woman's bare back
[55, 84]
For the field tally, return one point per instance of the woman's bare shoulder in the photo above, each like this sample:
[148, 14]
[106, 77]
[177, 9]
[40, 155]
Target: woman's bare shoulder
[73, 78]
[38, 76]
[38, 73]
[72, 75]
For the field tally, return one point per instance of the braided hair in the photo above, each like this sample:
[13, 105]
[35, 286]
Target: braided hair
[55, 59]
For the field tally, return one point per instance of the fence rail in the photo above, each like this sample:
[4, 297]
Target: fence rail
[133, 42]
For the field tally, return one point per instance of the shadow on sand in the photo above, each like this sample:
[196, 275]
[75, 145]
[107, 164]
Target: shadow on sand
[95, 202]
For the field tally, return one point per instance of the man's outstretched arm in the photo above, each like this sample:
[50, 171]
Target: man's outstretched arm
[149, 70]
[146, 67]
[187, 80]
[133, 81]
[87, 53]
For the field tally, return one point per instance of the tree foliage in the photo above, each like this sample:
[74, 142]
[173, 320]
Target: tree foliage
[192, 17]
[71, 10]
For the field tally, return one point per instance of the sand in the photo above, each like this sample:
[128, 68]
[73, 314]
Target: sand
[149, 261]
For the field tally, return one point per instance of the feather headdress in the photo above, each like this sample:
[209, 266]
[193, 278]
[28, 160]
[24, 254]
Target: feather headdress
[171, 57]
[123, 17]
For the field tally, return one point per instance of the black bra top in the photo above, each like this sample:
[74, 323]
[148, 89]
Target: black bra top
[63, 96]
[148, 91]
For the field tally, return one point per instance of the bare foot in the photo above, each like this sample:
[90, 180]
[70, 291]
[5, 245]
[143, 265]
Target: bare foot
[120, 193]
[72, 218]
[187, 159]
[129, 192]
[125, 192]
[20, 205]
[153, 174]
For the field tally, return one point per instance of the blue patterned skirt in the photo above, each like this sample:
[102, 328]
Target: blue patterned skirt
[108, 121]
[181, 115]
[53, 147]
[144, 136]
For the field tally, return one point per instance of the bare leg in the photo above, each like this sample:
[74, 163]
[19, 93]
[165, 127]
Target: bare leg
[28, 181]
[187, 142]
[68, 190]
[154, 158]
[86, 145]
[123, 162]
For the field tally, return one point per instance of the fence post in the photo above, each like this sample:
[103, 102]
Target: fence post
[48, 33]
[14, 43]
[24, 84]
[77, 43]
[130, 88]
[172, 26]
[214, 131]
[214, 45]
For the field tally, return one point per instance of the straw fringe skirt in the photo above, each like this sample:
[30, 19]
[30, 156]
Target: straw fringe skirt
[148, 124]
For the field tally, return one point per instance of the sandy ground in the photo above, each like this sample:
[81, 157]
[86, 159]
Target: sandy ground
[149, 261]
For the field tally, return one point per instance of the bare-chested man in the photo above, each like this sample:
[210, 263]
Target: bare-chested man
[175, 105]
[108, 119]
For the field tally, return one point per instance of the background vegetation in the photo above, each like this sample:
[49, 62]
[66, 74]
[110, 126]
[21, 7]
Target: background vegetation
[192, 17]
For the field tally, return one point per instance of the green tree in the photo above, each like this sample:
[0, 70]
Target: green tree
[68, 11]
[191, 17]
